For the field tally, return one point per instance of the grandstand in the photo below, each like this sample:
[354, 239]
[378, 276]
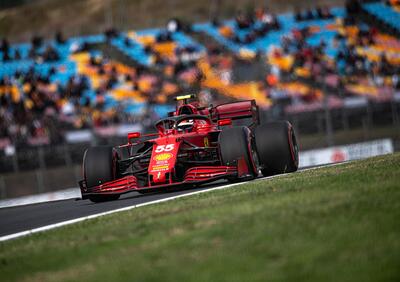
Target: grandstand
[296, 65]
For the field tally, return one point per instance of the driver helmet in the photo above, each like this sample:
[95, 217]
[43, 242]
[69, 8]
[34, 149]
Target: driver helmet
[186, 125]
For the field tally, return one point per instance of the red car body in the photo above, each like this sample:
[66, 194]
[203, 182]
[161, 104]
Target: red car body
[197, 148]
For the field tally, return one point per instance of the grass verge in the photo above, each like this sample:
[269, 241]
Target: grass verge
[339, 223]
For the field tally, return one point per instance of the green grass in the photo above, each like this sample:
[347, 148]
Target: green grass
[332, 224]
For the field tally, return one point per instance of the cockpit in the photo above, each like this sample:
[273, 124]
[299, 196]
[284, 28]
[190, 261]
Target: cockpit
[182, 124]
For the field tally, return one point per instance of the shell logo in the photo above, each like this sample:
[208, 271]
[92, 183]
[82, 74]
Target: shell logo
[163, 157]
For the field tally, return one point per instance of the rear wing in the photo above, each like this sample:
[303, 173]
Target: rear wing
[236, 110]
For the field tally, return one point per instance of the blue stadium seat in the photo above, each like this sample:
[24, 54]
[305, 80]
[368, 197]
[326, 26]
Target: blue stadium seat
[287, 22]
[385, 13]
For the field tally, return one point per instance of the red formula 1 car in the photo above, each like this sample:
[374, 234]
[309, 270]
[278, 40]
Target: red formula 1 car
[193, 146]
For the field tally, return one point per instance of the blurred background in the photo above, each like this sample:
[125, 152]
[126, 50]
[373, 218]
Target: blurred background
[75, 73]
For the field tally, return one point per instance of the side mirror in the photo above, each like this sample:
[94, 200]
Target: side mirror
[223, 122]
[132, 135]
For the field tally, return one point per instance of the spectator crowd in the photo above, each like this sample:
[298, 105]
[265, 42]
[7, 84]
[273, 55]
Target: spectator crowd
[37, 107]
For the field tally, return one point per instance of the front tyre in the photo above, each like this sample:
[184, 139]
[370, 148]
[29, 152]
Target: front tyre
[277, 148]
[99, 167]
[236, 143]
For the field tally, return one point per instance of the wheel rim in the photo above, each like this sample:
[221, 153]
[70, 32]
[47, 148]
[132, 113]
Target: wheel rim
[254, 155]
[256, 161]
[295, 148]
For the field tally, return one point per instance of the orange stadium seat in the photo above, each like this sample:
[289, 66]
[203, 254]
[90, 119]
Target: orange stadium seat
[165, 49]
[124, 94]
[249, 90]
[282, 62]
[226, 31]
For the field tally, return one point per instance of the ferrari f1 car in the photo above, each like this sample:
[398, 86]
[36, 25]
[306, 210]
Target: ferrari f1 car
[193, 145]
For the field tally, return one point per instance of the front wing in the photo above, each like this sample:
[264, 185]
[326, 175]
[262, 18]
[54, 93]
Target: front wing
[193, 176]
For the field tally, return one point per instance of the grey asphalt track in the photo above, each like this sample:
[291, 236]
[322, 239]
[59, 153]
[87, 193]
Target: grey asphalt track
[27, 217]
[22, 218]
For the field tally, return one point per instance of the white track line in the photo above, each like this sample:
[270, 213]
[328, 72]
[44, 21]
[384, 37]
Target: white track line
[76, 220]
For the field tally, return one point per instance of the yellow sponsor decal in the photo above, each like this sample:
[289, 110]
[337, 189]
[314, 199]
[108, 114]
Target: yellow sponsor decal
[159, 168]
[163, 157]
[183, 97]
[206, 144]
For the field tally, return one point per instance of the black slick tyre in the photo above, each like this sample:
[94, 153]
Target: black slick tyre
[99, 167]
[277, 148]
[236, 143]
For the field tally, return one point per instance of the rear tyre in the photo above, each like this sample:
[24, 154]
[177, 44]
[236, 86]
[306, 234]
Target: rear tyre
[236, 143]
[277, 148]
[99, 167]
